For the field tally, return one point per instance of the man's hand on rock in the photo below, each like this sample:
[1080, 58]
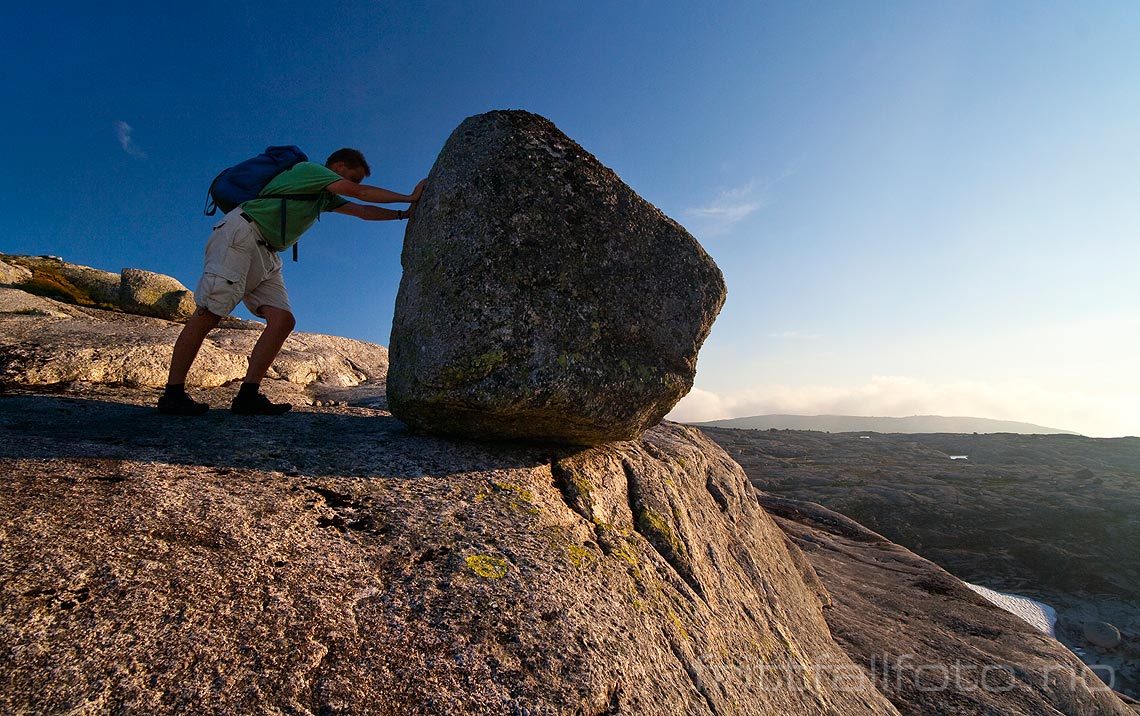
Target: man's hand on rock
[418, 190]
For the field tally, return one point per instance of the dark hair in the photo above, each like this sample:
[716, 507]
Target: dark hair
[351, 157]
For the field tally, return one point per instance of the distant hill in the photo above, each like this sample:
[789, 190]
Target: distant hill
[859, 423]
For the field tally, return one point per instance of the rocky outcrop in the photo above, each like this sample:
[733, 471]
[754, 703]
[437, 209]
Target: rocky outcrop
[1047, 516]
[385, 573]
[329, 561]
[1102, 634]
[51, 276]
[45, 342]
[924, 638]
[144, 293]
[12, 274]
[541, 297]
[153, 294]
[14, 302]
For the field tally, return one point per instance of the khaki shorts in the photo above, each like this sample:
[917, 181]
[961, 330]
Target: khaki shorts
[238, 268]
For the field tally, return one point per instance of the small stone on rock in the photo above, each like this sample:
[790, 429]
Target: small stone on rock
[1102, 634]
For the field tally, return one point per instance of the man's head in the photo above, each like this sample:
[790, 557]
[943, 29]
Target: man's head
[349, 163]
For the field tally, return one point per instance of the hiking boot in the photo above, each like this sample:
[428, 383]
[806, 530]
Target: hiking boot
[257, 404]
[180, 404]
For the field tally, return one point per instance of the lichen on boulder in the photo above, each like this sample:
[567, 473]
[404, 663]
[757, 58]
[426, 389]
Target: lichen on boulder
[153, 294]
[51, 276]
[542, 297]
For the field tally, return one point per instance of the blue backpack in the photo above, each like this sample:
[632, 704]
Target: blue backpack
[243, 182]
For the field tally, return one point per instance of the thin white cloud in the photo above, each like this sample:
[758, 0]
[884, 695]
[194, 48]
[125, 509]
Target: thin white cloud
[732, 206]
[1103, 414]
[728, 209]
[126, 141]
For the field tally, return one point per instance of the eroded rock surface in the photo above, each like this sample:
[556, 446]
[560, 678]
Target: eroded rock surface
[12, 274]
[53, 277]
[45, 342]
[329, 561]
[333, 563]
[1051, 517]
[541, 296]
[144, 293]
[929, 642]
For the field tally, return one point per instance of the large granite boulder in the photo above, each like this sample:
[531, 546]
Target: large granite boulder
[541, 297]
[153, 294]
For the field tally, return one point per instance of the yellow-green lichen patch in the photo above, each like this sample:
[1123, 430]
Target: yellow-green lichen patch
[676, 620]
[642, 596]
[657, 530]
[473, 369]
[581, 488]
[644, 373]
[623, 551]
[521, 492]
[580, 557]
[520, 498]
[488, 566]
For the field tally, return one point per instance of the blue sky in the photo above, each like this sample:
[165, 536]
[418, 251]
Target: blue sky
[918, 207]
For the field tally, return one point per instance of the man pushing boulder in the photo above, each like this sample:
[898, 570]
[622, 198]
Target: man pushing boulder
[243, 265]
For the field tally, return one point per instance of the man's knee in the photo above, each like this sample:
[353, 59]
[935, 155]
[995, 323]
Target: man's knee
[278, 318]
[204, 315]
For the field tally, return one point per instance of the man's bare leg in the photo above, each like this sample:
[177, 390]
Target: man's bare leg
[279, 324]
[249, 401]
[174, 400]
[189, 343]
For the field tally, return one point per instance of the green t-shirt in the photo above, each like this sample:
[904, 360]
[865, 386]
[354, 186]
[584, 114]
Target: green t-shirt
[303, 178]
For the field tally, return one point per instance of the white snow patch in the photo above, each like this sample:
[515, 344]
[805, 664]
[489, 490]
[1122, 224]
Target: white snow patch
[1037, 614]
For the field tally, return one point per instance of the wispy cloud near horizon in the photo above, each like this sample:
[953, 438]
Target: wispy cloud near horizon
[728, 209]
[1092, 414]
[124, 132]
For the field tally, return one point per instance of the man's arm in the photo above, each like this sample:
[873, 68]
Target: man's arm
[373, 194]
[372, 213]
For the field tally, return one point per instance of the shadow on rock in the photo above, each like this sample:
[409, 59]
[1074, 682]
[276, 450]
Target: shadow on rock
[351, 442]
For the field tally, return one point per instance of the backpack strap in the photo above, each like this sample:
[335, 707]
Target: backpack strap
[285, 214]
[211, 207]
